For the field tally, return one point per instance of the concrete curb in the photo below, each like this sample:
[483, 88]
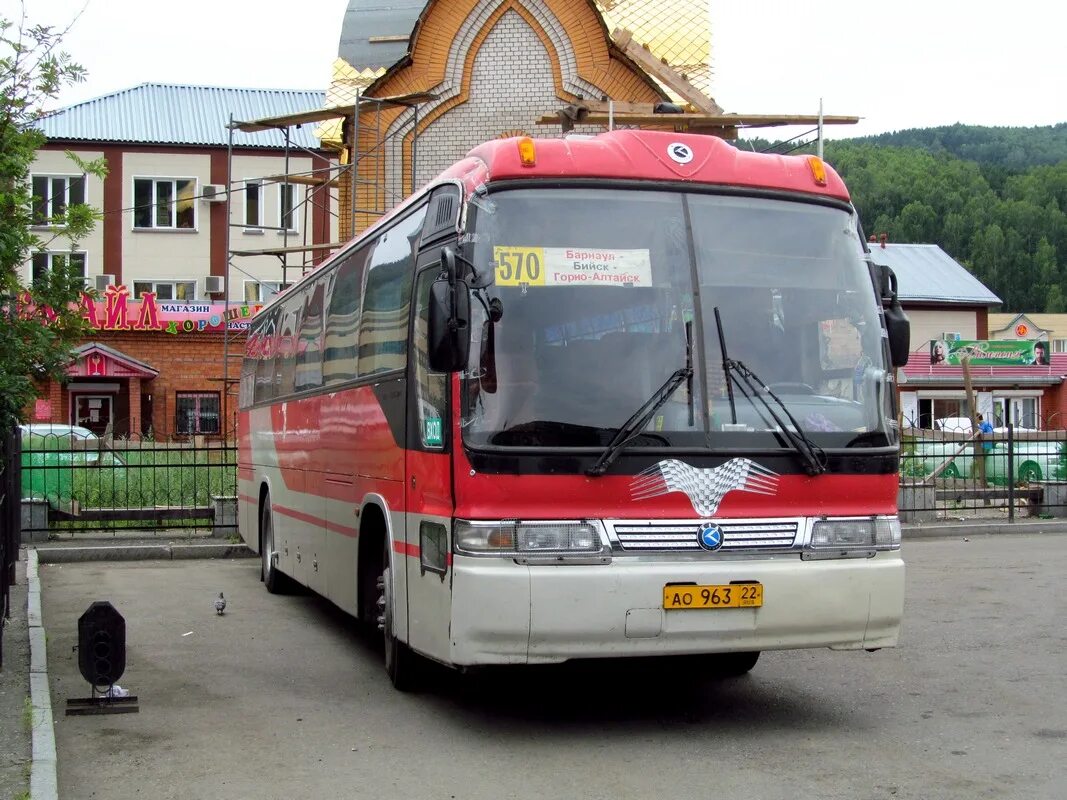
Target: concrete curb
[941, 530]
[141, 552]
[43, 782]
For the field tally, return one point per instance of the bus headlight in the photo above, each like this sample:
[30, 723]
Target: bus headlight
[880, 533]
[526, 537]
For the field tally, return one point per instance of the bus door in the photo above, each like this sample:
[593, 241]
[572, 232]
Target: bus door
[429, 486]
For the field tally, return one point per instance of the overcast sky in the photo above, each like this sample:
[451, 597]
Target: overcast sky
[901, 64]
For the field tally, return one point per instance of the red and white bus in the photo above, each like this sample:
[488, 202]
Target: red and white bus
[622, 395]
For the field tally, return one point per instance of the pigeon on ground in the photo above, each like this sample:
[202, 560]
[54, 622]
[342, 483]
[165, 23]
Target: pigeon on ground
[220, 605]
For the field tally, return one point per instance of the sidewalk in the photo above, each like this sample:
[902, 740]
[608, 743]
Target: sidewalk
[131, 545]
[15, 754]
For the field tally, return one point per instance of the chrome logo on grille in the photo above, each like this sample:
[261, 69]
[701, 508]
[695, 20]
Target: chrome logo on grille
[710, 536]
[705, 488]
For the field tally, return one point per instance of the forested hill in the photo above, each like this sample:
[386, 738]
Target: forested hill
[1009, 148]
[999, 211]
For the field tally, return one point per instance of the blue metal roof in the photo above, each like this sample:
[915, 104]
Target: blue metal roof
[927, 274]
[378, 19]
[162, 113]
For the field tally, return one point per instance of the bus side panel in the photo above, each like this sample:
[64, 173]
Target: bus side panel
[296, 441]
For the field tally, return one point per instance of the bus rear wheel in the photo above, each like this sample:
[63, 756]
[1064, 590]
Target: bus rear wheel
[401, 664]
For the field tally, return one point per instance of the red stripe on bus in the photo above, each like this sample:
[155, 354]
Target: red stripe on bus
[249, 499]
[412, 551]
[344, 530]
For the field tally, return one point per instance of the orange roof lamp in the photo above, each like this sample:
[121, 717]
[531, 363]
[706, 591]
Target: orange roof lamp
[527, 152]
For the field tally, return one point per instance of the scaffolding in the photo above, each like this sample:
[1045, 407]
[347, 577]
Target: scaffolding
[360, 176]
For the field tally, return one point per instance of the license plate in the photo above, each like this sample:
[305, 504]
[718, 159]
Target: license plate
[734, 595]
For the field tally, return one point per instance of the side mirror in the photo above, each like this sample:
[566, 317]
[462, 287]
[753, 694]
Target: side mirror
[448, 334]
[897, 324]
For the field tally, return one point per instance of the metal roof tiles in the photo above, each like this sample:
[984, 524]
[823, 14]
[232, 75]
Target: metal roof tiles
[390, 23]
[161, 113]
[927, 274]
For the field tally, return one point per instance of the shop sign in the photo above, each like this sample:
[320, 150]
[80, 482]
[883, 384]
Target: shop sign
[115, 310]
[42, 410]
[1002, 352]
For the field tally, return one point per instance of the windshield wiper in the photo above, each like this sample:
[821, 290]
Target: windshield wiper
[752, 386]
[633, 427]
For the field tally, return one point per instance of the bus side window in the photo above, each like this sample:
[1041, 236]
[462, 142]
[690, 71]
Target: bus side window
[285, 360]
[383, 325]
[267, 341]
[342, 319]
[309, 345]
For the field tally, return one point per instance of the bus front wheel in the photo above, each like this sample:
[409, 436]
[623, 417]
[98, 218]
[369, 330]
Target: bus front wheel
[401, 664]
[732, 665]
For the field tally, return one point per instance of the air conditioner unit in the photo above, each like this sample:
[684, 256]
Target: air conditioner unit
[214, 284]
[951, 336]
[213, 193]
[103, 281]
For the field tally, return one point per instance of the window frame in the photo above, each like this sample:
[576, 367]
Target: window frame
[51, 254]
[198, 395]
[49, 202]
[253, 228]
[173, 282]
[281, 287]
[173, 181]
[294, 203]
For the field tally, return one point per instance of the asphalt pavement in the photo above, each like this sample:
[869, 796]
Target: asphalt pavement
[284, 697]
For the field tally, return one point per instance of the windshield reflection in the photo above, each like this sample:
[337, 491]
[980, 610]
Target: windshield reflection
[596, 287]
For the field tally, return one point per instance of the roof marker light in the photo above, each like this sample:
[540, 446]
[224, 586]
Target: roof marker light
[818, 170]
[527, 153]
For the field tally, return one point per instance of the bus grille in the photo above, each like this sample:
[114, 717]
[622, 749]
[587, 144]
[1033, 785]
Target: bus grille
[683, 536]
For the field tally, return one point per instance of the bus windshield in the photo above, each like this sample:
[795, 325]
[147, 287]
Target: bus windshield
[598, 295]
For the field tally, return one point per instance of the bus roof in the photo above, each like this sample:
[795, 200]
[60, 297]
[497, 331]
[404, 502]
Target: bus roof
[654, 156]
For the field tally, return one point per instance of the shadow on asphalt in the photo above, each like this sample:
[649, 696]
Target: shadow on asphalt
[639, 693]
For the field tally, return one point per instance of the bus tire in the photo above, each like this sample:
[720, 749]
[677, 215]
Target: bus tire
[402, 665]
[275, 581]
[733, 665]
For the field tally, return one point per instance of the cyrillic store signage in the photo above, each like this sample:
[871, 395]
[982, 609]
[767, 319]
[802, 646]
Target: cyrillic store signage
[115, 310]
[989, 352]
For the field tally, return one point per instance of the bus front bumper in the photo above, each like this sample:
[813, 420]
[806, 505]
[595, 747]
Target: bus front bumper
[504, 612]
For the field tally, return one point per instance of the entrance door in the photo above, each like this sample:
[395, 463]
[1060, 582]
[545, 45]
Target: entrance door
[93, 411]
[1024, 412]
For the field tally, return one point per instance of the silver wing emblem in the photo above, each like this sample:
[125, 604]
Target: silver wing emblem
[705, 488]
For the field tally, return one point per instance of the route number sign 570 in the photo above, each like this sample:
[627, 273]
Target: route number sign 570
[519, 265]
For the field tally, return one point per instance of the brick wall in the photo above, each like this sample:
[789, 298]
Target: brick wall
[494, 66]
[186, 363]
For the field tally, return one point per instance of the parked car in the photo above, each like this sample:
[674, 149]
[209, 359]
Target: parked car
[1033, 460]
[53, 454]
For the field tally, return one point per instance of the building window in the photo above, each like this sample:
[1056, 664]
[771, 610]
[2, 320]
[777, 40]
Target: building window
[164, 203]
[1059, 345]
[254, 206]
[196, 412]
[45, 262]
[262, 291]
[166, 290]
[52, 194]
[287, 207]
